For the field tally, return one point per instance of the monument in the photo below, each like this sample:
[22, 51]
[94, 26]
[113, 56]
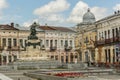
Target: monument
[33, 57]
[33, 51]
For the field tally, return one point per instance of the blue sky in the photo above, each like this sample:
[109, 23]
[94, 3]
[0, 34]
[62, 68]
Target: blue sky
[53, 12]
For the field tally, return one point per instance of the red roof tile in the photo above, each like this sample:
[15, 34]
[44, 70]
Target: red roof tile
[64, 29]
[7, 27]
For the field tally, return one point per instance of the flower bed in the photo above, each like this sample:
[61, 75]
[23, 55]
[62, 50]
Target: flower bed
[69, 74]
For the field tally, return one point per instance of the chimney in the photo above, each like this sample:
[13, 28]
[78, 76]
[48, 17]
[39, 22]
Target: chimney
[12, 24]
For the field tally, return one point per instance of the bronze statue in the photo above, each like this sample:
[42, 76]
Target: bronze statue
[33, 31]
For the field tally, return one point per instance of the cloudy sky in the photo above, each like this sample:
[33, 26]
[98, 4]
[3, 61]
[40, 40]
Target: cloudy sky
[54, 12]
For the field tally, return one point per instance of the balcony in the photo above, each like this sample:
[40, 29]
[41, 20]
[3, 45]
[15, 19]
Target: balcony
[100, 42]
[116, 39]
[15, 48]
[90, 46]
[53, 48]
[42, 47]
[68, 48]
[108, 41]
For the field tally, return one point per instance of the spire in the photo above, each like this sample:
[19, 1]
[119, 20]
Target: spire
[88, 9]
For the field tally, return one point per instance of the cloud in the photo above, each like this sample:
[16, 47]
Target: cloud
[81, 8]
[77, 12]
[3, 5]
[116, 7]
[99, 12]
[52, 7]
[29, 22]
[52, 10]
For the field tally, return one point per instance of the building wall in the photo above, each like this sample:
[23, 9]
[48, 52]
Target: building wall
[108, 34]
[86, 39]
[21, 37]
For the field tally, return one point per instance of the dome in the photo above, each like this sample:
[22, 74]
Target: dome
[88, 17]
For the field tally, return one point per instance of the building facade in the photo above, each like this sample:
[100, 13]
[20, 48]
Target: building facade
[98, 41]
[86, 38]
[57, 41]
[108, 41]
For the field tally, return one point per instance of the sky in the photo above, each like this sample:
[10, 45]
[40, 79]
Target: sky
[66, 13]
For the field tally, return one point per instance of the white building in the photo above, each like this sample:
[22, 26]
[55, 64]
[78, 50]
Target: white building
[57, 41]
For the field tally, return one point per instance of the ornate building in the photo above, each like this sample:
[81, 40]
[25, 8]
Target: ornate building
[108, 38]
[9, 47]
[98, 41]
[57, 41]
[86, 38]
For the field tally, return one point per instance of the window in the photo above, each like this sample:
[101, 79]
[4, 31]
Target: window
[21, 42]
[116, 32]
[66, 43]
[108, 34]
[105, 34]
[56, 43]
[4, 42]
[70, 42]
[113, 33]
[61, 42]
[47, 44]
[14, 42]
[9, 42]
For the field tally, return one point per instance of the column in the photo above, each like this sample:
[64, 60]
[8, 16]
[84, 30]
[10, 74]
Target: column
[96, 55]
[7, 42]
[64, 56]
[63, 44]
[103, 55]
[111, 33]
[49, 43]
[7, 59]
[73, 44]
[12, 43]
[111, 53]
[69, 57]
[23, 42]
[59, 57]
[1, 41]
[12, 58]
[114, 32]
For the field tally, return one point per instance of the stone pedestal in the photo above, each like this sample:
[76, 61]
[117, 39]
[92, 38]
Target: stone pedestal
[33, 51]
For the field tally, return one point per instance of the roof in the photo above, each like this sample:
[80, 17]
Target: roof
[7, 27]
[53, 28]
[88, 17]
[26, 28]
[113, 16]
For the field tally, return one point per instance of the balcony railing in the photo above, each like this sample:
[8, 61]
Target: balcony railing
[10, 48]
[107, 41]
[116, 39]
[100, 42]
[68, 48]
[42, 47]
[53, 48]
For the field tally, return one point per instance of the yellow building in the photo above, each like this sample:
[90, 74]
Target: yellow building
[85, 40]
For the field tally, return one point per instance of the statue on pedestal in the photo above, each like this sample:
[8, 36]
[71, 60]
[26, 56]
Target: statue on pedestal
[33, 32]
